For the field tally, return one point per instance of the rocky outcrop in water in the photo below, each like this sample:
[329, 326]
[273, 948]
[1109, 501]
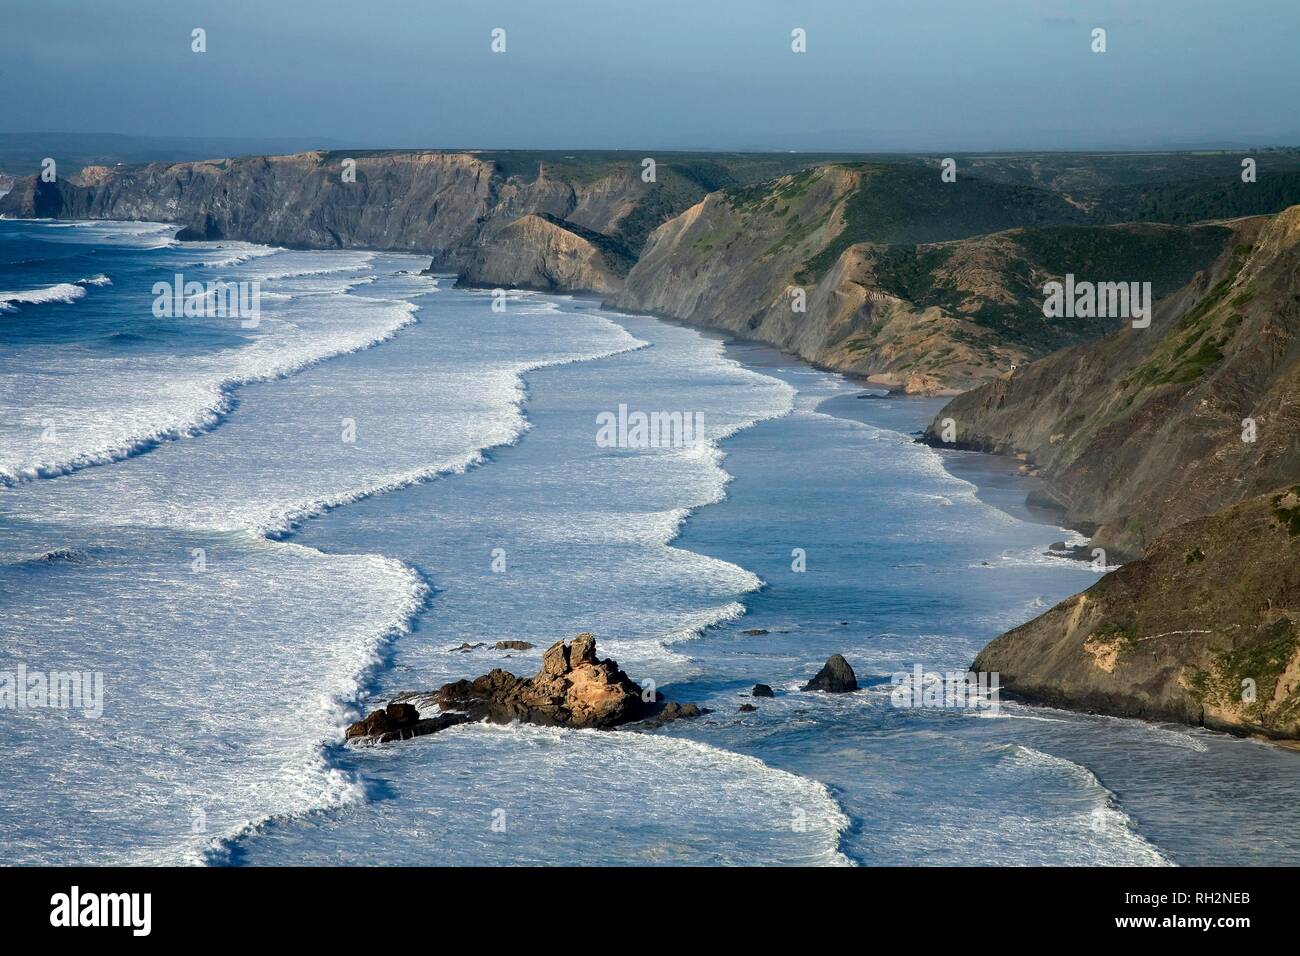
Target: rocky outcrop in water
[574, 689]
[835, 677]
[400, 721]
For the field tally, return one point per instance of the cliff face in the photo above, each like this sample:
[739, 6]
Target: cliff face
[536, 252]
[449, 205]
[729, 261]
[1180, 442]
[1152, 427]
[880, 270]
[413, 202]
[920, 317]
[1205, 629]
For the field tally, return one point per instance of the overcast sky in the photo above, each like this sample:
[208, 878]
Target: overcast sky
[946, 75]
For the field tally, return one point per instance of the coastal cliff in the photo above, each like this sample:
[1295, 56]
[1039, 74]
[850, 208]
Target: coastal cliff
[1176, 446]
[877, 269]
[884, 272]
[1205, 629]
[457, 207]
[1147, 428]
[543, 252]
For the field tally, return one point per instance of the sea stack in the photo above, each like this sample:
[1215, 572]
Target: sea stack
[835, 677]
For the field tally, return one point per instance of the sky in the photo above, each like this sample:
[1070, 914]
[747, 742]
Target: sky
[925, 75]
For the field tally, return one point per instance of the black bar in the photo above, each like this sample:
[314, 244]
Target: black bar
[953, 905]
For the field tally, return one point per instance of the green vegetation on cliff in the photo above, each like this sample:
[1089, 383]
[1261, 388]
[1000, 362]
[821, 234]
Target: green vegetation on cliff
[911, 204]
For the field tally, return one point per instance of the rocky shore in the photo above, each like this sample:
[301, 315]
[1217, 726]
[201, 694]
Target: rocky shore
[574, 688]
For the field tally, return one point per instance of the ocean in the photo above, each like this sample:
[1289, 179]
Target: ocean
[255, 534]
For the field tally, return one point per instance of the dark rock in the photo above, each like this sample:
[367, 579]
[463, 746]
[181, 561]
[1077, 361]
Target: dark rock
[674, 711]
[205, 230]
[373, 724]
[512, 646]
[836, 677]
[1077, 552]
[421, 728]
[402, 714]
[400, 722]
[746, 709]
[754, 632]
[761, 690]
[466, 647]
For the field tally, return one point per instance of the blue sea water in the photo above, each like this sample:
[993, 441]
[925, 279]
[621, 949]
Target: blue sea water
[256, 534]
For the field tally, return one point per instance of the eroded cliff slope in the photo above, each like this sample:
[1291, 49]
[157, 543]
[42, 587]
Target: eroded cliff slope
[450, 205]
[843, 266]
[1151, 427]
[1205, 629]
[1181, 443]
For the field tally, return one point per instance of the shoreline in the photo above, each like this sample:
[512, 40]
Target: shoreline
[992, 475]
[993, 478]
[996, 483]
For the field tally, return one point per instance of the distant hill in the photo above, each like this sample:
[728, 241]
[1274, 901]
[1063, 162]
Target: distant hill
[21, 153]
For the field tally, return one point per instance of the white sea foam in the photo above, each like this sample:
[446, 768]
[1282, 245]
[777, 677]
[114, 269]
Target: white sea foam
[1103, 831]
[220, 699]
[134, 235]
[229, 500]
[512, 428]
[562, 796]
[316, 265]
[105, 409]
[63, 292]
[220, 255]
